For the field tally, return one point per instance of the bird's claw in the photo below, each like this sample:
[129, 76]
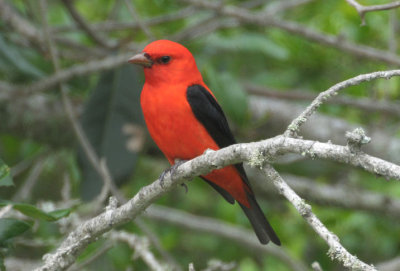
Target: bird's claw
[185, 186]
[170, 170]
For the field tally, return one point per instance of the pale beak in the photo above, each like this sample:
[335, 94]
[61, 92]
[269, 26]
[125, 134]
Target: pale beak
[142, 59]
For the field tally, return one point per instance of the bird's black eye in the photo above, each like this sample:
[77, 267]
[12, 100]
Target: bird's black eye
[164, 59]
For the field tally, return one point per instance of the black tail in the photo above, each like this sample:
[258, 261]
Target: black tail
[260, 224]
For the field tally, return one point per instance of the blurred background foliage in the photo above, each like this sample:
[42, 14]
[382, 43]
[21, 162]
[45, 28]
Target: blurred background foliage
[244, 64]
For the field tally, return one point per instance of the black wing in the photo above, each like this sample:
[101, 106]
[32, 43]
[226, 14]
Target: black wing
[209, 113]
[207, 110]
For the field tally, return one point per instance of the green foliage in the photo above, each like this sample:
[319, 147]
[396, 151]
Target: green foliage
[5, 176]
[35, 213]
[227, 58]
[10, 228]
[13, 61]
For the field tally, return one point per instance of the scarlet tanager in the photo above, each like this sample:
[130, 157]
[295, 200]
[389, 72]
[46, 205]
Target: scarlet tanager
[184, 119]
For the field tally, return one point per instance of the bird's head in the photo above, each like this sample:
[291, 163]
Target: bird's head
[166, 61]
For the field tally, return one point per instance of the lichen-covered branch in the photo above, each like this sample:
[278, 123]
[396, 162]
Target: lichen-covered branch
[362, 10]
[336, 250]
[256, 153]
[293, 128]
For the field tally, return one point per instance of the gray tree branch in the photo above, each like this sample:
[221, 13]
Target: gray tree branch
[256, 153]
[293, 128]
[264, 19]
[336, 250]
[362, 10]
[213, 226]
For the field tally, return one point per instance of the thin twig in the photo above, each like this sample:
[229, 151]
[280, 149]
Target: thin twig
[154, 240]
[221, 229]
[280, 6]
[362, 10]
[64, 75]
[98, 165]
[263, 19]
[95, 36]
[26, 188]
[19, 24]
[142, 25]
[339, 195]
[293, 128]
[98, 253]
[141, 247]
[366, 104]
[336, 250]
[111, 26]
[321, 127]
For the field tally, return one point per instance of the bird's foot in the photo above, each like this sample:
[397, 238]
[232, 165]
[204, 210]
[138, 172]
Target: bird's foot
[185, 187]
[170, 170]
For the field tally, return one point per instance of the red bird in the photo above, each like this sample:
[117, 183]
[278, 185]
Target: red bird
[184, 119]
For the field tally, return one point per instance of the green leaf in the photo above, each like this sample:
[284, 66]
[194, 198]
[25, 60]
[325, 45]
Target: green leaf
[113, 104]
[10, 227]
[14, 58]
[5, 176]
[33, 212]
[57, 214]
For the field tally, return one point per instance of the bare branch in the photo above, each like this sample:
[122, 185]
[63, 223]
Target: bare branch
[293, 128]
[98, 164]
[320, 127]
[23, 27]
[339, 195]
[336, 250]
[110, 26]
[155, 242]
[263, 19]
[67, 74]
[366, 104]
[95, 36]
[338, 42]
[254, 153]
[141, 247]
[280, 6]
[140, 23]
[221, 229]
[106, 247]
[362, 10]
[25, 190]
